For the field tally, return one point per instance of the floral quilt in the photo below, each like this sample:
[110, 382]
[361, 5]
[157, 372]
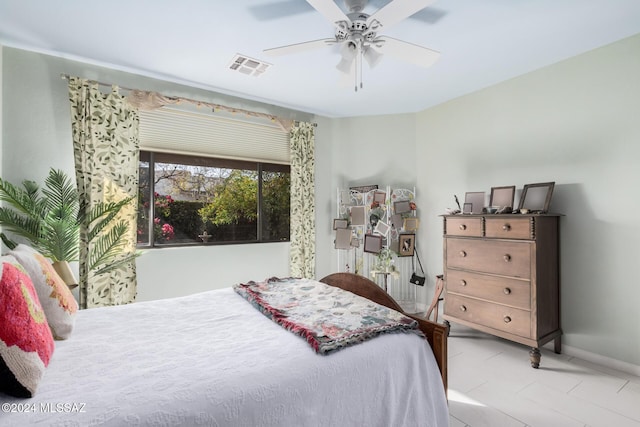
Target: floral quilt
[329, 318]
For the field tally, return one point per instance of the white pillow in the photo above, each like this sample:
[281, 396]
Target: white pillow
[56, 299]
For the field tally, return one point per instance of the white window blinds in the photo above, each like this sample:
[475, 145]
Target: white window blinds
[171, 130]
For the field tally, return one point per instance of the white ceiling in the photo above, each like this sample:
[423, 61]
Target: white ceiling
[193, 41]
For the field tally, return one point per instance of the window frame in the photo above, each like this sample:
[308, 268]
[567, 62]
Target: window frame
[153, 157]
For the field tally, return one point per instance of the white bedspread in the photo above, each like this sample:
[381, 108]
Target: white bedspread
[212, 359]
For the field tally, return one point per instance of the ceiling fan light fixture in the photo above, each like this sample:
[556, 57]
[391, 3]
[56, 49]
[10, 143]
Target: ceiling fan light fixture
[348, 52]
[372, 56]
[344, 66]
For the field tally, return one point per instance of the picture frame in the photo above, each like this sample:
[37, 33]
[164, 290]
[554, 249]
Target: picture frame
[402, 206]
[476, 198]
[382, 228]
[340, 223]
[358, 215]
[372, 243]
[397, 221]
[536, 198]
[502, 196]
[343, 238]
[467, 208]
[380, 197]
[411, 224]
[406, 244]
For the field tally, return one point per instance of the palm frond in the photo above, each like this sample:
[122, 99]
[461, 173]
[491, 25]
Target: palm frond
[108, 245]
[61, 195]
[62, 239]
[116, 264]
[25, 226]
[26, 201]
[102, 214]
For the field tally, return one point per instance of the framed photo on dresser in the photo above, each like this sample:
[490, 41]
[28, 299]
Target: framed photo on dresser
[476, 198]
[502, 196]
[537, 197]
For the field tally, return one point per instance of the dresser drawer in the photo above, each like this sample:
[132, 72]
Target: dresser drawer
[507, 258]
[461, 226]
[512, 292]
[508, 228]
[496, 316]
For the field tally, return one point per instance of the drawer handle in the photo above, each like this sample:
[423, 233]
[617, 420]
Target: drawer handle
[507, 291]
[463, 227]
[506, 227]
[463, 254]
[507, 258]
[507, 319]
[463, 282]
[463, 308]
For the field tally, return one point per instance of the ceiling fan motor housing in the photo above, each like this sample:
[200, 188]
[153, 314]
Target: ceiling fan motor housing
[355, 5]
[357, 29]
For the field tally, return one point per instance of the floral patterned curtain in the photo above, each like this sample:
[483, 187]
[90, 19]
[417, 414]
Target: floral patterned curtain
[303, 216]
[105, 145]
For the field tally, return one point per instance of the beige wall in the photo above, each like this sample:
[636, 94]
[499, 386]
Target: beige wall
[576, 123]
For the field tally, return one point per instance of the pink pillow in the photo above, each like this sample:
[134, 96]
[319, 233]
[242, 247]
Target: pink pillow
[26, 343]
[57, 300]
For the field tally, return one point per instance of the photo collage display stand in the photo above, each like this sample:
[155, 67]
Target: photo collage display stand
[375, 236]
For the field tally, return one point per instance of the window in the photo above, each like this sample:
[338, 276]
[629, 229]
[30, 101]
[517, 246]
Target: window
[204, 200]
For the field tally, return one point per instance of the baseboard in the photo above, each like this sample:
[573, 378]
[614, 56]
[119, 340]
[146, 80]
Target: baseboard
[599, 359]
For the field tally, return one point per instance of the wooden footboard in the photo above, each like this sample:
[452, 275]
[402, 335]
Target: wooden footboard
[436, 333]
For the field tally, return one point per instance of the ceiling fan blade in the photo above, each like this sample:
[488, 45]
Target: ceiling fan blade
[279, 9]
[329, 10]
[408, 52]
[299, 47]
[397, 10]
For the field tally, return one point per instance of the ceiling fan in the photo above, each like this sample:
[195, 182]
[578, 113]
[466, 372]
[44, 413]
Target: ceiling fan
[358, 35]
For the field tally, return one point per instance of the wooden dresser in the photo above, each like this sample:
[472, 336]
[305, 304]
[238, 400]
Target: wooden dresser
[501, 276]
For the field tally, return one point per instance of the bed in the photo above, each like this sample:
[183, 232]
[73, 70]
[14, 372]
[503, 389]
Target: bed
[212, 359]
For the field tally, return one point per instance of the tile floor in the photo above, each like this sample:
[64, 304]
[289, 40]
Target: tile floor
[491, 384]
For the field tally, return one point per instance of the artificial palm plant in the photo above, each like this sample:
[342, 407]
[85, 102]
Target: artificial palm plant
[50, 220]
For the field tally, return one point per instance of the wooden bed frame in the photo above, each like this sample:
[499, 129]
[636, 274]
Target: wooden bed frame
[436, 333]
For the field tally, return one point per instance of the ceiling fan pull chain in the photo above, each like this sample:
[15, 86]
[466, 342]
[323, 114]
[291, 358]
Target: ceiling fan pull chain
[360, 61]
[355, 71]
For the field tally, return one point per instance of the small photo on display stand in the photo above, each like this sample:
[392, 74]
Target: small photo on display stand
[411, 224]
[343, 238]
[340, 223]
[380, 197]
[358, 215]
[406, 244]
[402, 206]
[382, 228]
[397, 221]
[372, 243]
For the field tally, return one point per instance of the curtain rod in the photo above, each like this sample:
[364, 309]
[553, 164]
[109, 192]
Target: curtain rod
[284, 123]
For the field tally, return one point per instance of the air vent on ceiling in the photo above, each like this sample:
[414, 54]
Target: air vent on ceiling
[248, 66]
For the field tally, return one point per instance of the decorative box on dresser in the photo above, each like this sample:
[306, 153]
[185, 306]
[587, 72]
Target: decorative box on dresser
[501, 274]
